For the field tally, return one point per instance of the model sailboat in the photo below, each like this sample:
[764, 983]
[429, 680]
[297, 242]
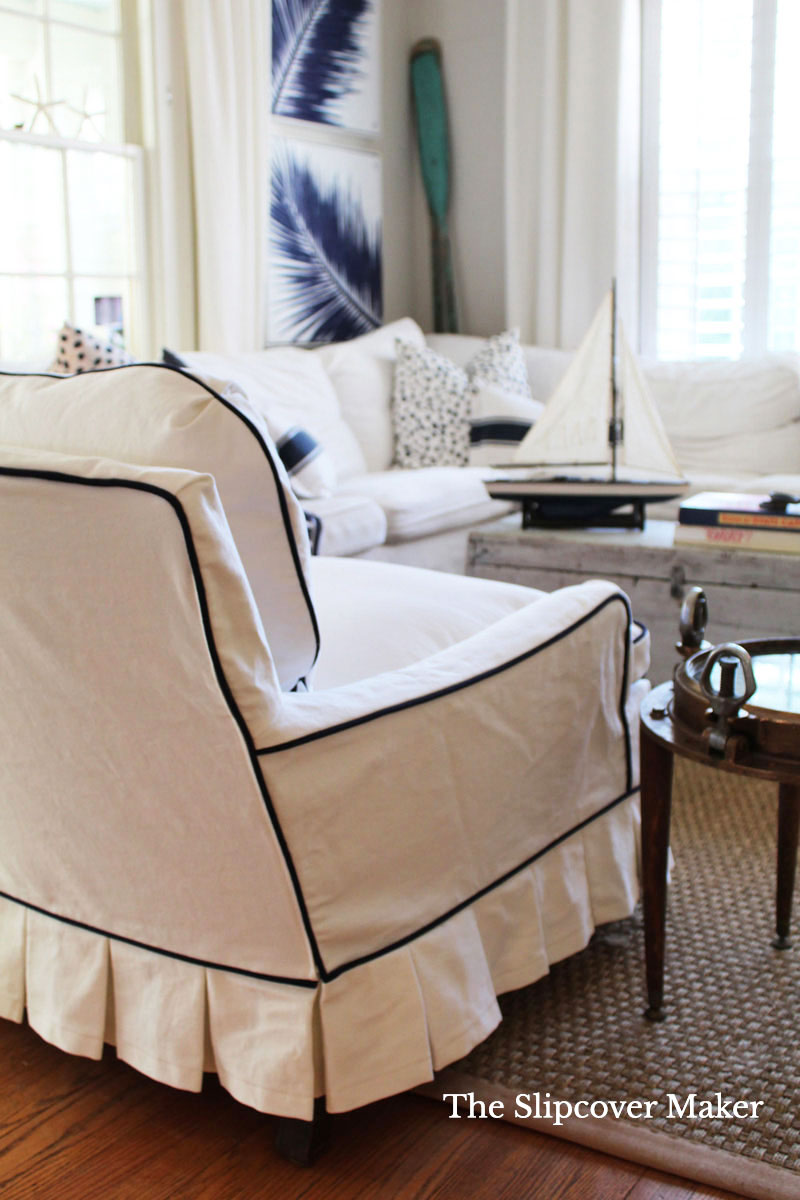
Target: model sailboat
[599, 446]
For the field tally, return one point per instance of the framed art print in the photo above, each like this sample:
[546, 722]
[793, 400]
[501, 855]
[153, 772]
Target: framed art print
[325, 56]
[324, 242]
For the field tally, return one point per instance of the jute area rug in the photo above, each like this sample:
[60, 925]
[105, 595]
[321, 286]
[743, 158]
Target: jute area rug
[580, 1035]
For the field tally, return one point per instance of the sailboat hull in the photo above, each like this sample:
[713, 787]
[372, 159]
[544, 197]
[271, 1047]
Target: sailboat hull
[579, 503]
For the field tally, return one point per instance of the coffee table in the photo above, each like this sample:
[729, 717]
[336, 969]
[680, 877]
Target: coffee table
[749, 594]
[760, 739]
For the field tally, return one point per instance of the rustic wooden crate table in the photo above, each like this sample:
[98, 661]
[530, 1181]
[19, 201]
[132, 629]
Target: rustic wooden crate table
[749, 594]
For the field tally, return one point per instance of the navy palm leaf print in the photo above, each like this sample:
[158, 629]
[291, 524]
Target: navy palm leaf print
[317, 51]
[327, 255]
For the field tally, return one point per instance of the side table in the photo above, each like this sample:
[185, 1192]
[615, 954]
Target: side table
[679, 724]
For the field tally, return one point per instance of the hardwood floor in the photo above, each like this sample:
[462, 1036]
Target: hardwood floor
[72, 1129]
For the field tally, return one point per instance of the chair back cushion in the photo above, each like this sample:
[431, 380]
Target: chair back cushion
[154, 415]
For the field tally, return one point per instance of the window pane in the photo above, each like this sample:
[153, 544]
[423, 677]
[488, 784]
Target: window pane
[784, 297]
[27, 6]
[22, 74]
[32, 223]
[95, 14]
[87, 77]
[31, 313]
[101, 213]
[86, 291]
[703, 175]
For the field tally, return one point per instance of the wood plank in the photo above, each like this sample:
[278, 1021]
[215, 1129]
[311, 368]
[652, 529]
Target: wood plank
[72, 1128]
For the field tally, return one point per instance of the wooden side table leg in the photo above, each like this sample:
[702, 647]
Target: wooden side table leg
[656, 792]
[788, 828]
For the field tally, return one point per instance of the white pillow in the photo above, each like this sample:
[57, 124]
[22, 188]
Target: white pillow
[499, 420]
[430, 409]
[79, 351]
[501, 408]
[361, 372]
[289, 387]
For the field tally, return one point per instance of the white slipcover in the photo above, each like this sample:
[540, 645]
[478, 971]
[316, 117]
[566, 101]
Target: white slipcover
[309, 893]
[158, 416]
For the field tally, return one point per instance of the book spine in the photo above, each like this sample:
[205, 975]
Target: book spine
[730, 538]
[739, 520]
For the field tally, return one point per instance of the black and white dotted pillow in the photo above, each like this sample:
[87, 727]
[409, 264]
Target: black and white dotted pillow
[430, 409]
[78, 351]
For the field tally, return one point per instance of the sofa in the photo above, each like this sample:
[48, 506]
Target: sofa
[296, 820]
[733, 426]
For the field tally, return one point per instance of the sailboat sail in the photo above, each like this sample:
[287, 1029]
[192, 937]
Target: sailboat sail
[572, 433]
[645, 445]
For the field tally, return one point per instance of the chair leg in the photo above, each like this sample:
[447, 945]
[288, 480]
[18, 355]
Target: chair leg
[302, 1142]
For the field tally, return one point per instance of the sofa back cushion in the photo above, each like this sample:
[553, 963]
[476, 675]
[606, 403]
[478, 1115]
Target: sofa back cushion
[290, 388]
[731, 416]
[362, 373]
[156, 416]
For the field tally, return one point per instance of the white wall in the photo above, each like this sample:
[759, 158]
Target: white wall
[472, 34]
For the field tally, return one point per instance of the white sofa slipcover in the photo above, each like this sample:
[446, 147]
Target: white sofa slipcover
[312, 892]
[733, 425]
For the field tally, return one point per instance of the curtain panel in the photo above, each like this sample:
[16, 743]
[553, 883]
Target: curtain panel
[226, 47]
[572, 164]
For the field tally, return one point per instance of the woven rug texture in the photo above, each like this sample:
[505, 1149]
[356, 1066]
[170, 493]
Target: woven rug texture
[732, 1000]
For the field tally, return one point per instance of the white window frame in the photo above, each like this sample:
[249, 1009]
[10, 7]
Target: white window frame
[138, 318]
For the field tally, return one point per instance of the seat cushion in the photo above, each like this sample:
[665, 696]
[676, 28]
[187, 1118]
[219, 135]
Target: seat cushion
[428, 500]
[377, 616]
[157, 416]
[349, 524]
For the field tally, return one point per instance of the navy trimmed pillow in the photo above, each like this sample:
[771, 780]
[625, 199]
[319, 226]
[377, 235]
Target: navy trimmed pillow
[499, 421]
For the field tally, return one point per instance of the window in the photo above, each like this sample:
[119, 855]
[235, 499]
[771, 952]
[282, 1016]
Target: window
[721, 178]
[70, 238]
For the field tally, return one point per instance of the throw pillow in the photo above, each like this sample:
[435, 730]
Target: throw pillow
[446, 415]
[498, 422]
[501, 408]
[430, 409]
[78, 351]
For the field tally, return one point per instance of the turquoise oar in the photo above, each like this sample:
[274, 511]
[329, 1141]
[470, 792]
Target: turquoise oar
[434, 157]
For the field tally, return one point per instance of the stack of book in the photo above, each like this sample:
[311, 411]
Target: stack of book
[738, 521]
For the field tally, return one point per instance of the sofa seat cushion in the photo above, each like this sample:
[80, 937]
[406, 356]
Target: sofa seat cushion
[349, 524]
[428, 500]
[377, 616]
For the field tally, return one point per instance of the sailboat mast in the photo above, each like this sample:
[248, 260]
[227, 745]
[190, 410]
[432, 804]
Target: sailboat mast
[614, 427]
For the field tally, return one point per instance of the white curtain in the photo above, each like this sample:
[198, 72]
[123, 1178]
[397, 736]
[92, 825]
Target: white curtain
[572, 158]
[227, 64]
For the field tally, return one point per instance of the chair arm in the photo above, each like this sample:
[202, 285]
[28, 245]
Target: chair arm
[402, 796]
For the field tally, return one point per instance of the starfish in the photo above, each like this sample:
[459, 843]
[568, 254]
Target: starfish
[42, 107]
[87, 117]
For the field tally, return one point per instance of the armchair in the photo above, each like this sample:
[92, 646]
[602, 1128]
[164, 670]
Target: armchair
[297, 821]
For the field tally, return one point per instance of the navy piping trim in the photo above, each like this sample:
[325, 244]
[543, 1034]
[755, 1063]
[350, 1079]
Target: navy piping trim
[139, 485]
[188, 958]
[457, 908]
[465, 683]
[256, 434]
[640, 636]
